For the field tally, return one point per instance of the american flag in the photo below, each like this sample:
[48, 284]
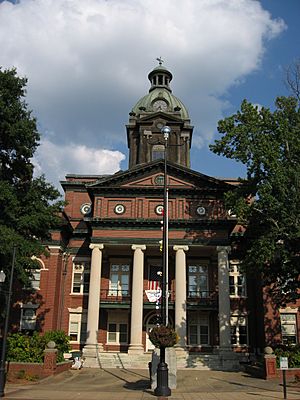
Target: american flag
[154, 278]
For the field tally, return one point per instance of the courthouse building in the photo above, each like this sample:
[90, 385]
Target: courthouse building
[101, 283]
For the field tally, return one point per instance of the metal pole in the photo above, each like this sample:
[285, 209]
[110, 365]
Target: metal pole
[167, 257]
[162, 388]
[5, 331]
[284, 383]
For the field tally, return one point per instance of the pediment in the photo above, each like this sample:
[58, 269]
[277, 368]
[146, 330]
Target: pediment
[151, 175]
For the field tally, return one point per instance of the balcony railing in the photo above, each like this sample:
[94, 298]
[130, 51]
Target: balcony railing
[115, 295]
[202, 297]
[199, 297]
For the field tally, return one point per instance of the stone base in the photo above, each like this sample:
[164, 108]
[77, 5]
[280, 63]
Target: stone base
[136, 349]
[172, 367]
[229, 360]
[90, 354]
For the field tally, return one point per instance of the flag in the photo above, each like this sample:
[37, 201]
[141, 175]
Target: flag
[154, 277]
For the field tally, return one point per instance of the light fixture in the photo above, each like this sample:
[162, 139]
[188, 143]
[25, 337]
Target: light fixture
[2, 276]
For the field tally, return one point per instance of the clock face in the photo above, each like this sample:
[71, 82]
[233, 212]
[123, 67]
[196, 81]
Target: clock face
[160, 105]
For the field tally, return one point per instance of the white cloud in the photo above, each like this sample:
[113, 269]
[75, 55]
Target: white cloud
[60, 160]
[87, 61]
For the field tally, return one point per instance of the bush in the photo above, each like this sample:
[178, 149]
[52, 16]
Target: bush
[163, 336]
[25, 348]
[61, 340]
[292, 352]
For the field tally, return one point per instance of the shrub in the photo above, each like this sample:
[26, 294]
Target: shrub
[25, 348]
[163, 336]
[292, 352]
[62, 342]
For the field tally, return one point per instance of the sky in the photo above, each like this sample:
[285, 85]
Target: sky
[87, 64]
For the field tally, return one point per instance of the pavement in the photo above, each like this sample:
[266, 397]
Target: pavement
[119, 384]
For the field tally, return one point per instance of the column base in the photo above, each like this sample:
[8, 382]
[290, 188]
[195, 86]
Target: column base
[180, 350]
[229, 359]
[90, 354]
[136, 349]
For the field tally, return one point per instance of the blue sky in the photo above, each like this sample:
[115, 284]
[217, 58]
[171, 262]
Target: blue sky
[87, 65]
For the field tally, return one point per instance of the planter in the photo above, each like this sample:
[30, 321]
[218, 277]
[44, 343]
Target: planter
[163, 336]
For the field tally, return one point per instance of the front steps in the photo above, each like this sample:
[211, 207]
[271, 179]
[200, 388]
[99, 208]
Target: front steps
[197, 361]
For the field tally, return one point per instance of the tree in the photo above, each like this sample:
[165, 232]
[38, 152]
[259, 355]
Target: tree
[292, 80]
[267, 202]
[29, 206]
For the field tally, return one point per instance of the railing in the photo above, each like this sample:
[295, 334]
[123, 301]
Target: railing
[115, 295]
[198, 297]
[202, 297]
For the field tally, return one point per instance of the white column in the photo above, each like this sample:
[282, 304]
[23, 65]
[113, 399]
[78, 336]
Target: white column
[224, 299]
[94, 298]
[136, 329]
[180, 295]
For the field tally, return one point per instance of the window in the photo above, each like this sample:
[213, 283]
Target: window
[238, 326]
[77, 327]
[119, 280]
[158, 152]
[28, 317]
[198, 330]
[34, 277]
[117, 333]
[81, 277]
[237, 281]
[198, 281]
[288, 328]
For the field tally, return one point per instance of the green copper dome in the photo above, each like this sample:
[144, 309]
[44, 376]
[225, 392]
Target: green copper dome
[160, 97]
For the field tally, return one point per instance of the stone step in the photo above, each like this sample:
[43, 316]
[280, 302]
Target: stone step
[141, 361]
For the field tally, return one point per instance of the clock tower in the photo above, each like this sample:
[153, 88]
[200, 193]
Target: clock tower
[153, 111]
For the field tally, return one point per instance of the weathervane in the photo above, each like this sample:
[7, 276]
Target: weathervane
[160, 60]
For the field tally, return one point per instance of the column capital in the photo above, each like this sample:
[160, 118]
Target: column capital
[138, 246]
[180, 247]
[99, 246]
[221, 249]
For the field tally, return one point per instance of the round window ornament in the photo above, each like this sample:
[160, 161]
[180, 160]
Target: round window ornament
[119, 209]
[85, 208]
[200, 210]
[159, 180]
[159, 209]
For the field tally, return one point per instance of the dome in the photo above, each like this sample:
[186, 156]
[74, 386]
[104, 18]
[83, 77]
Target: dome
[160, 97]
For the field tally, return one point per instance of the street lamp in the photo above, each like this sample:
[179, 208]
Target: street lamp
[162, 388]
[6, 321]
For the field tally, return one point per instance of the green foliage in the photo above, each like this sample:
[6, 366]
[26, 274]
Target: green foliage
[163, 336]
[25, 348]
[292, 352]
[29, 206]
[267, 202]
[61, 340]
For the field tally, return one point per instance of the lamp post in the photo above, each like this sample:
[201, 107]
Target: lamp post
[6, 321]
[162, 388]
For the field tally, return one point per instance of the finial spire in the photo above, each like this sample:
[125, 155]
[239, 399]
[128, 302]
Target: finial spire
[160, 60]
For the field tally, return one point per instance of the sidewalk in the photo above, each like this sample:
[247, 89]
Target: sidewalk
[119, 384]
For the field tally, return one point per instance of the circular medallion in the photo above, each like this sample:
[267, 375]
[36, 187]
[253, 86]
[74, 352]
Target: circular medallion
[159, 180]
[159, 209]
[85, 208]
[119, 209]
[200, 210]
